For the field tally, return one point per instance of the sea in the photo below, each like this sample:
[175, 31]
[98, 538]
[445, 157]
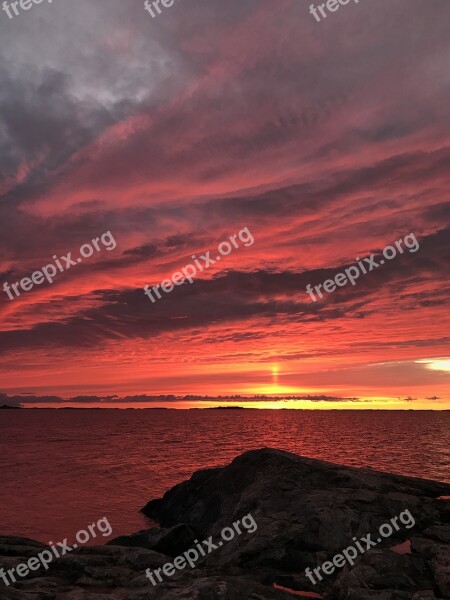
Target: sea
[61, 470]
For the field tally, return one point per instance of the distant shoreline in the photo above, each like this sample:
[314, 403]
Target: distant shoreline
[225, 408]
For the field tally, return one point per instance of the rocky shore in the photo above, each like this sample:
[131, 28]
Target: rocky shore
[307, 511]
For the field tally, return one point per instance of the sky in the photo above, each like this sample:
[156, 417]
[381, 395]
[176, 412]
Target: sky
[326, 141]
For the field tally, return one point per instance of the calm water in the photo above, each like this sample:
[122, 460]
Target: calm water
[62, 470]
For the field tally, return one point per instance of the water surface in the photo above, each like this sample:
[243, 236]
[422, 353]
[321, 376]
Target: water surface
[62, 470]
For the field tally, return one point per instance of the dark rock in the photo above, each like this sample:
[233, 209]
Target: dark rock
[440, 533]
[440, 567]
[172, 541]
[305, 511]
[424, 595]
[217, 588]
[384, 570]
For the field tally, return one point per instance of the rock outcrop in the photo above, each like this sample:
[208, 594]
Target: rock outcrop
[306, 512]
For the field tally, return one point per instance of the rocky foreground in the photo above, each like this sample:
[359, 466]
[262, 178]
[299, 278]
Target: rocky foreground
[306, 512]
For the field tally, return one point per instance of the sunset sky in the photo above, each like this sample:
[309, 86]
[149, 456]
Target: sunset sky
[328, 141]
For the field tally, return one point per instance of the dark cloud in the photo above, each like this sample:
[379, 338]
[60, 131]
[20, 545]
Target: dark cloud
[231, 296]
[23, 400]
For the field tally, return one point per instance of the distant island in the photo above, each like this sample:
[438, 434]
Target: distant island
[6, 406]
[227, 408]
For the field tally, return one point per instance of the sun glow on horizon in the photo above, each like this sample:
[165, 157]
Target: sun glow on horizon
[362, 403]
